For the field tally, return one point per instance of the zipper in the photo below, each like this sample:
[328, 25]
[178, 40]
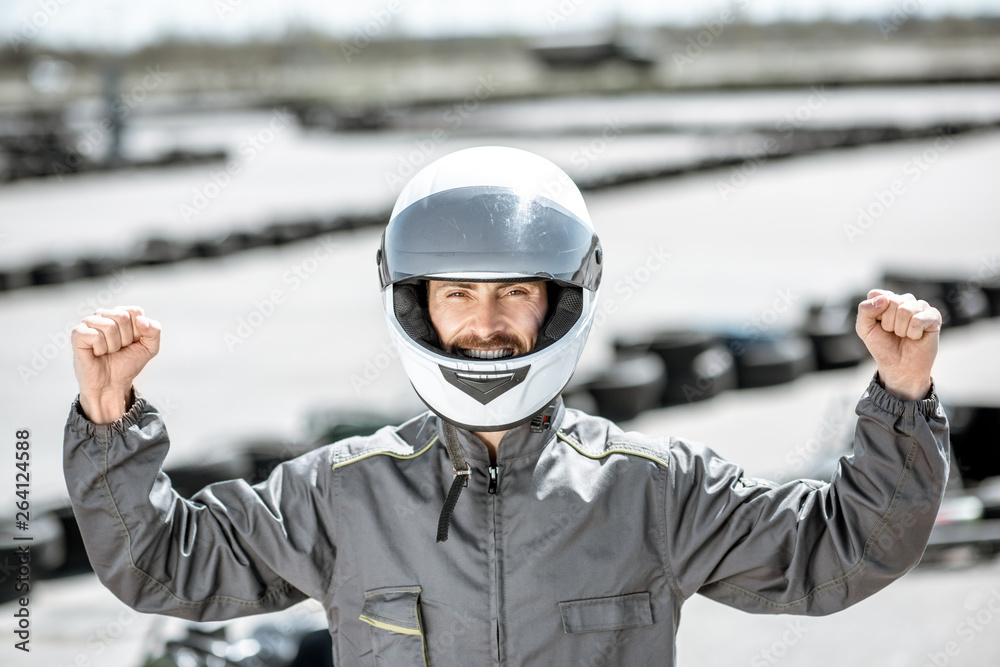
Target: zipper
[494, 473]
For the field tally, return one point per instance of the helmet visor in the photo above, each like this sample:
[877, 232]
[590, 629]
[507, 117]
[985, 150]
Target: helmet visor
[489, 230]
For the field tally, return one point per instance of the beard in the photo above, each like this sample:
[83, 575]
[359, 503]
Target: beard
[502, 340]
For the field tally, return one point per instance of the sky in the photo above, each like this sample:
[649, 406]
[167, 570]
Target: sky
[122, 25]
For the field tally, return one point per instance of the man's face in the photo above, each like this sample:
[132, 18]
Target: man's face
[487, 320]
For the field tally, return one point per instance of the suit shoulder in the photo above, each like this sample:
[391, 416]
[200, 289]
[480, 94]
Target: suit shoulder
[406, 441]
[596, 437]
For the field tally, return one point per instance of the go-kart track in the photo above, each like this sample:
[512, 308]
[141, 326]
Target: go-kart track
[254, 340]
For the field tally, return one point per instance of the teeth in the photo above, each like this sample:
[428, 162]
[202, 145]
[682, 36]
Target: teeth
[488, 354]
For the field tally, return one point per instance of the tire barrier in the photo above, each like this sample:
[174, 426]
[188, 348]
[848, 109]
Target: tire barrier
[960, 300]
[76, 560]
[698, 366]
[970, 515]
[975, 442]
[766, 360]
[991, 290]
[631, 385]
[162, 251]
[157, 250]
[47, 554]
[831, 329]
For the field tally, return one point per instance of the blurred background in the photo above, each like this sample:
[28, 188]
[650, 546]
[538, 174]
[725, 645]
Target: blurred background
[753, 168]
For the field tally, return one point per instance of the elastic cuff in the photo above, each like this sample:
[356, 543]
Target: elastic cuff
[927, 406]
[79, 420]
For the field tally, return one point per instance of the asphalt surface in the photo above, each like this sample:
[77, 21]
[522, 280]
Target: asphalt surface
[782, 232]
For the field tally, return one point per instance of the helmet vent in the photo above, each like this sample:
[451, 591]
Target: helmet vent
[410, 311]
[567, 311]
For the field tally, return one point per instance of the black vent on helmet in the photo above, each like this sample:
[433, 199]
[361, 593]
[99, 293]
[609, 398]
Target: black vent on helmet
[410, 303]
[566, 309]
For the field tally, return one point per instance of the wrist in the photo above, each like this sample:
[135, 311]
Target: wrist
[106, 408]
[906, 389]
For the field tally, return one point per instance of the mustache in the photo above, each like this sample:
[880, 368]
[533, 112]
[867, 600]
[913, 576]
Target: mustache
[498, 340]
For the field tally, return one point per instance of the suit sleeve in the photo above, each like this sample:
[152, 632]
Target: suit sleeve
[230, 550]
[809, 547]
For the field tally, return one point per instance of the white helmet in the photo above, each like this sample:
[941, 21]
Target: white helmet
[490, 214]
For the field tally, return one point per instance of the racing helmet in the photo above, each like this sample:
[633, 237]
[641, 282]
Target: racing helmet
[490, 214]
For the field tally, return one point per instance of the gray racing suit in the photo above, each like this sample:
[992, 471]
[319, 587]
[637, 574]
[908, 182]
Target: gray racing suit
[577, 548]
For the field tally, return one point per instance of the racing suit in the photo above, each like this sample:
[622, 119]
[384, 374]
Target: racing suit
[577, 548]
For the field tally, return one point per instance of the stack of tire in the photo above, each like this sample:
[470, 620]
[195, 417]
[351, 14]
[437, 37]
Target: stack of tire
[961, 300]
[44, 540]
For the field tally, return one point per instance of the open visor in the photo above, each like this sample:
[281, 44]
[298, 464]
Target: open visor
[487, 230]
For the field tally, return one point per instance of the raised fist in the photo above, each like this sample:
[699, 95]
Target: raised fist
[110, 347]
[901, 333]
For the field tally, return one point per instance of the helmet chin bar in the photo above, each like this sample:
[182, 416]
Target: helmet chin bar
[542, 417]
[484, 386]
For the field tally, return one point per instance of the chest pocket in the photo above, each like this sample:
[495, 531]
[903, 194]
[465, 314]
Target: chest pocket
[397, 629]
[620, 612]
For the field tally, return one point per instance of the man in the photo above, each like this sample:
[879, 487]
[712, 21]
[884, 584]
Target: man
[500, 527]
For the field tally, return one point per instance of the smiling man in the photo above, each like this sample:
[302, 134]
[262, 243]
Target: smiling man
[576, 543]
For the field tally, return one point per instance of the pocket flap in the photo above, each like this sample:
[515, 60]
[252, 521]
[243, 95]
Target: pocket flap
[614, 613]
[395, 608]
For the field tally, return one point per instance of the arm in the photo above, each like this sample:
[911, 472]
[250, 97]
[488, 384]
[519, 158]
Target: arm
[226, 552]
[813, 548]
[808, 547]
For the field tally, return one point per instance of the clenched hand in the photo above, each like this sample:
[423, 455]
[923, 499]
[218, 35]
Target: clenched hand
[901, 333]
[110, 347]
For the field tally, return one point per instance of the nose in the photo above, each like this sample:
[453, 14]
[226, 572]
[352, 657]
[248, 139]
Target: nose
[486, 318]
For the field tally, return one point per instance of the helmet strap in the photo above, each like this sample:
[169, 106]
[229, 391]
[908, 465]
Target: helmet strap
[460, 477]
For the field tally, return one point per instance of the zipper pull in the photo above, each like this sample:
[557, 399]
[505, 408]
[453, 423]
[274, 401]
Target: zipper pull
[494, 477]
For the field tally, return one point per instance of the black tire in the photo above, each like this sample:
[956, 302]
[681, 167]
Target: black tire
[991, 290]
[47, 553]
[831, 329]
[975, 433]
[763, 361]
[698, 365]
[55, 273]
[630, 386]
[158, 250]
[960, 301]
